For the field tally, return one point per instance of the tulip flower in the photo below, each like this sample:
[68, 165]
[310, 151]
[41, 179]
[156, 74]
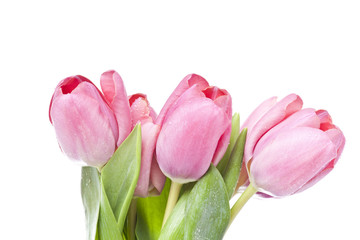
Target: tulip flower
[195, 132]
[85, 125]
[196, 124]
[90, 125]
[289, 149]
[151, 179]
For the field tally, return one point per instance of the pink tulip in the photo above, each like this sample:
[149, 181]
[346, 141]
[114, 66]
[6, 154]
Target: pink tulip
[289, 149]
[90, 125]
[151, 179]
[196, 125]
[85, 125]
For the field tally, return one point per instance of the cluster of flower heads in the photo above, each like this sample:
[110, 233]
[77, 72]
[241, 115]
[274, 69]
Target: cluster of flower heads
[288, 148]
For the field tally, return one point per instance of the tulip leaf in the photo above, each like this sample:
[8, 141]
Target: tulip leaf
[174, 226]
[232, 171]
[119, 176]
[207, 208]
[108, 228]
[235, 130]
[90, 193]
[150, 214]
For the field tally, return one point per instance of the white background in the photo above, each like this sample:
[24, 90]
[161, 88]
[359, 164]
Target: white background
[255, 49]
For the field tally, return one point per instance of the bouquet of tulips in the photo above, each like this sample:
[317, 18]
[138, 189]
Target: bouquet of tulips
[172, 175]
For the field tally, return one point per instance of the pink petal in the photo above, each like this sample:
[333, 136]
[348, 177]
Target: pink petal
[303, 118]
[338, 138]
[223, 99]
[149, 133]
[317, 177]
[281, 110]
[85, 125]
[222, 145]
[186, 83]
[153, 114]
[89, 89]
[220, 97]
[115, 94]
[292, 159]
[139, 109]
[256, 115]
[157, 178]
[66, 86]
[190, 95]
[325, 119]
[189, 138]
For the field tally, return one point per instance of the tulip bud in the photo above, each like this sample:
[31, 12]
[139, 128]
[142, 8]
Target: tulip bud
[289, 149]
[90, 125]
[151, 179]
[196, 125]
[85, 125]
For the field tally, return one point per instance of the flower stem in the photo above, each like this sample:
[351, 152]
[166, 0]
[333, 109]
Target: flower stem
[172, 199]
[245, 196]
[131, 223]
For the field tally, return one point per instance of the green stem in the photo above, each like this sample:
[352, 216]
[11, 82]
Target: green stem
[172, 199]
[245, 196]
[131, 223]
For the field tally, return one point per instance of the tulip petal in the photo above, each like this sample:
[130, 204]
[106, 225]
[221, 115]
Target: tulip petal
[185, 145]
[83, 125]
[223, 99]
[317, 177]
[140, 109]
[304, 118]
[149, 133]
[256, 115]
[73, 81]
[222, 145]
[292, 159]
[190, 95]
[69, 84]
[115, 94]
[325, 119]
[89, 89]
[157, 177]
[334, 133]
[281, 110]
[337, 137]
[189, 81]
[220, 97]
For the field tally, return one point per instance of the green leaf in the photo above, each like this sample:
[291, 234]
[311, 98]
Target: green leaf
[232, 171]
[235, 130]
[90, 193]
[120, 175]
[174, 226]
[207, 208]
[150, 214]
[108, 228]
